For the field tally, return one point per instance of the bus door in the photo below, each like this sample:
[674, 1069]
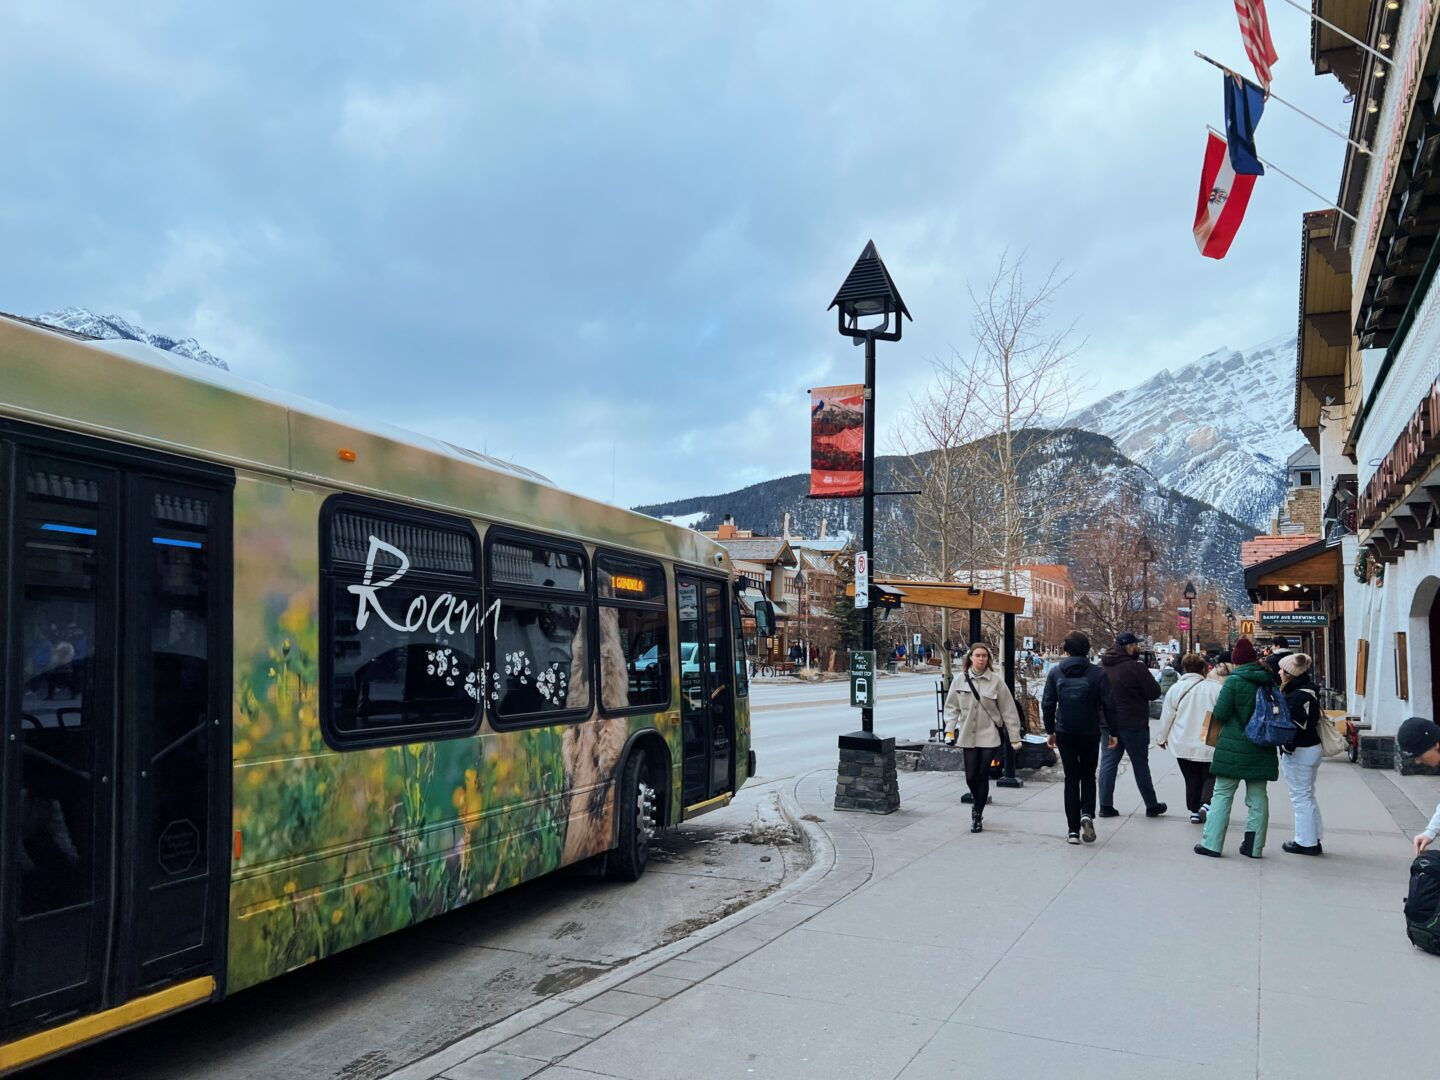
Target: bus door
[707, 690]
[114, 618]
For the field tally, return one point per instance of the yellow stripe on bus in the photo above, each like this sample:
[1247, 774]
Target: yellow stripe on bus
[709, 804]
[45, 1044]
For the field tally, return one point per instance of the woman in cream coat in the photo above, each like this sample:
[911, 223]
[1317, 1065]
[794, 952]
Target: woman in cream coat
[1182, 718]
[978, 706]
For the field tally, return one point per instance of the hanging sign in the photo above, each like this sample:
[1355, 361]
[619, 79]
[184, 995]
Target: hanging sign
[837, 442]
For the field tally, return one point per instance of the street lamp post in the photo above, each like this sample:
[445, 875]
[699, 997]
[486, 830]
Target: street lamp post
[1229, 626]
[1190, 595]
[868, 292]
[1146, 551]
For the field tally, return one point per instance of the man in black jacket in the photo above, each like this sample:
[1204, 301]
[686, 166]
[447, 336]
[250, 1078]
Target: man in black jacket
[1133, 688]
[1078, 709]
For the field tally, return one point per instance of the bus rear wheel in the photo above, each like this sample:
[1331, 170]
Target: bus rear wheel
[638, 814]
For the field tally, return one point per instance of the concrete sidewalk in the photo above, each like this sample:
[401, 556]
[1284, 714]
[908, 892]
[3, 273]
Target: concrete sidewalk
[914, 949]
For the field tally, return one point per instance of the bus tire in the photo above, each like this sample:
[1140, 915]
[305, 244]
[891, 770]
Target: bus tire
[637, 810]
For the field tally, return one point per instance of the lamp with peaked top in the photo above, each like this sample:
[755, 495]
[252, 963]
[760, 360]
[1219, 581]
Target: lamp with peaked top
[1190, 595]
[867, 778]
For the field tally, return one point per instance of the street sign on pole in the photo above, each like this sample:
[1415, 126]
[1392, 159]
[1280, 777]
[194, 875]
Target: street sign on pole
[862, 679]
[916, 640]
[862, 579]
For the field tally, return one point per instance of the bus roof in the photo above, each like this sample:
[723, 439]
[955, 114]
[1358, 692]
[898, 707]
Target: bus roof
[136, 393]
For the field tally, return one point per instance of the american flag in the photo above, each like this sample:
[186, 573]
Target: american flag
[1255, 29]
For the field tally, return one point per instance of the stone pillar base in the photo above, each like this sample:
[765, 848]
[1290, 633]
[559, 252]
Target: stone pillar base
[867, 779]
[1377, 751]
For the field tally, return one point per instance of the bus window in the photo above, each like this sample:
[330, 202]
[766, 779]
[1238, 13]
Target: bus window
[634, 634]
[403, 627]
[538, 655]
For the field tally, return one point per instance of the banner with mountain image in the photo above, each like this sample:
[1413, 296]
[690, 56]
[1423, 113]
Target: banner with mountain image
[837, 442]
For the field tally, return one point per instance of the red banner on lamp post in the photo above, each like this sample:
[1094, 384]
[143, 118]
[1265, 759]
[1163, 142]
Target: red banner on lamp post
[1182, 623]
[837, 441]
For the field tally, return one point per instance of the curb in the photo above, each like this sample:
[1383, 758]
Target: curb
[817, 843]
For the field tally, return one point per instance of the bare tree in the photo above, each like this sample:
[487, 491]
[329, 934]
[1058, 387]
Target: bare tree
[1109, 575]
[940, 455]
[974, 443]
[1023, 384]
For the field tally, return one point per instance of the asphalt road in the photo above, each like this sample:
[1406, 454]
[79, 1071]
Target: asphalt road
[366, 1012]
[795, 725]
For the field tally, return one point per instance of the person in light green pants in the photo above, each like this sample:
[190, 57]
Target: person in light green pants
[1237, 758]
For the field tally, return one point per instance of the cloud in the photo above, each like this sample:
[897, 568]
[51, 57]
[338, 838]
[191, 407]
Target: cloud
[400, 121]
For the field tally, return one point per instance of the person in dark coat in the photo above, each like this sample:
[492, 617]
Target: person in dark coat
[1078, 711]
[1237, 758]
[1133, 688]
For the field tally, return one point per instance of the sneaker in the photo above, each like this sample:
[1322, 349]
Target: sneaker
[1087, 830]
[1072, 838]
[1300, 849]
[1157, 810]
[1109, 811]
[1197, 818]
[1201, 849]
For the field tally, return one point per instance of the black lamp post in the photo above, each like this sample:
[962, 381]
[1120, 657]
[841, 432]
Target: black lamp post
[1146, 551]
[1229, 626]
[868, 293]
[1190, 595]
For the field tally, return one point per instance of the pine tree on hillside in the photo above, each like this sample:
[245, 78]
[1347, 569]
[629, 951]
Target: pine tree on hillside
[848, 628]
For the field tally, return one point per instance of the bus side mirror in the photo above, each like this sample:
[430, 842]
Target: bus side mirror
[764, 618]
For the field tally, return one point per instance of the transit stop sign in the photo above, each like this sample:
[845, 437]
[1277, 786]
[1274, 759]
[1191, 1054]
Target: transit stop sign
[862, 679]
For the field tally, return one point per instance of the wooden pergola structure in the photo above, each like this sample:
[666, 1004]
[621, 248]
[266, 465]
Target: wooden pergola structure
[960, 597]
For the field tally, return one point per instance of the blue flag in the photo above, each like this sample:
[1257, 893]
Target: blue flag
[1244, 102]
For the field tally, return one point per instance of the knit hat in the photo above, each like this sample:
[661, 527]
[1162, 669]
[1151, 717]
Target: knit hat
[1127, 638]
[1242, 653]
[1417, 735]
[1295, 664]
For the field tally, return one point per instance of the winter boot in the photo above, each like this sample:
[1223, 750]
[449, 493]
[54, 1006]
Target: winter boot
[975, 824]
[1247, 846]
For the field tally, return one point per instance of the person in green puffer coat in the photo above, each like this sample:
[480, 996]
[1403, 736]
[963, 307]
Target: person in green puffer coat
[1237, 758]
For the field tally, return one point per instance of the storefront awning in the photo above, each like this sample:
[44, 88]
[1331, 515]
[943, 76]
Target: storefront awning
[1324, 334]
[1306, 573]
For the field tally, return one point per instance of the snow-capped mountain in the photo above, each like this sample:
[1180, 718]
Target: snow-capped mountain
[1218, 430]
[81, 321]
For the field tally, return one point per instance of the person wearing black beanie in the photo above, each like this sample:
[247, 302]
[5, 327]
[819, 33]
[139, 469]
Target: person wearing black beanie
[1419, 739]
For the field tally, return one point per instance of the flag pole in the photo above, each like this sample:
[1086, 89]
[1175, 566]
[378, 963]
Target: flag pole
[1303, 187]
[1348, 37]
[1289, 105]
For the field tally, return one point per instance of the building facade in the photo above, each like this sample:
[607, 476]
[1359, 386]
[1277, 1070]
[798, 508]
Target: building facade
[1368, 369]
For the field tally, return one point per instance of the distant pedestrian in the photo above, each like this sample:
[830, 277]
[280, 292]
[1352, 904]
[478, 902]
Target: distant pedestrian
[1168, 676]
[1133, 688]
[1182, 716]
[1078, 711]
[1300, 762]
[1237, 758]
[979, 711]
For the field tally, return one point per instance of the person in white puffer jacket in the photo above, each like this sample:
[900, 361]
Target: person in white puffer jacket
[1182, 718]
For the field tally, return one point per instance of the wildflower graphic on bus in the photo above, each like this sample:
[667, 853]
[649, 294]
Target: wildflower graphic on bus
[410, 706]
[837, 441]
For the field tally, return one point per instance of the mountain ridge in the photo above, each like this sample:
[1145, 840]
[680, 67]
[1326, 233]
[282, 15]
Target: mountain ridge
[113, 327]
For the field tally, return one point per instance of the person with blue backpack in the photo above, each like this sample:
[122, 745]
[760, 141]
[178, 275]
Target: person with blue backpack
[1254, 722]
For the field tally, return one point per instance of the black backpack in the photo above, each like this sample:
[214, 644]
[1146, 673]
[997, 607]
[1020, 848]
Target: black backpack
[1078, 700]
[1422, 906]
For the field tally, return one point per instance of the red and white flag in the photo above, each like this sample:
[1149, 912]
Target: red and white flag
[1224, 194]
[1255, 29]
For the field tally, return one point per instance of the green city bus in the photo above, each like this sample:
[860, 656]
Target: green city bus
[277, 682]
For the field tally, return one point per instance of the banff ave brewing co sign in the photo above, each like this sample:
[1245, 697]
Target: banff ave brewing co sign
[1412, 456]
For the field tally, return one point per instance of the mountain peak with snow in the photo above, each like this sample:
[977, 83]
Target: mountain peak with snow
[1219, 429]
[112, 327]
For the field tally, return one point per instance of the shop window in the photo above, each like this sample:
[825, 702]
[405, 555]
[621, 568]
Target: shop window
[401, 625]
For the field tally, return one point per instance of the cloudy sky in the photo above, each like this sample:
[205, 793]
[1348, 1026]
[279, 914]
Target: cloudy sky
[574, 232]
